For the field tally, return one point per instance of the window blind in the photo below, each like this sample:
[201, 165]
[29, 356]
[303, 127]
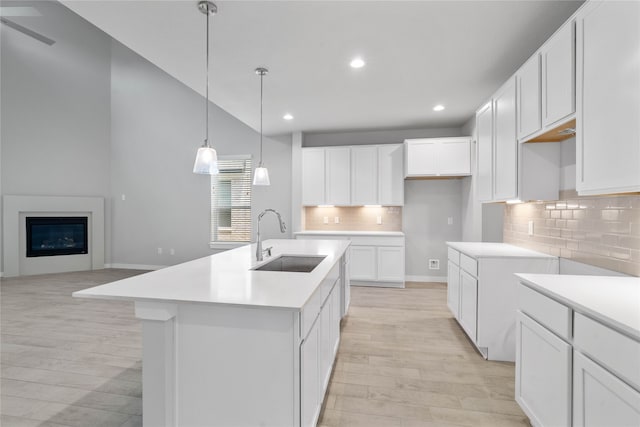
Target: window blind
[231, 200]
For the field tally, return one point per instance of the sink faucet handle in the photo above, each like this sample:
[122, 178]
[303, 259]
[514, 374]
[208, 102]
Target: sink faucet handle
[268, 250]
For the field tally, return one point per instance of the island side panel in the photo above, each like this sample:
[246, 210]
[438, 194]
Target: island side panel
[236, 366]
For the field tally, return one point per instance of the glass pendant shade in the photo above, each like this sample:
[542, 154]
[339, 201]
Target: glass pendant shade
[261, 176]
[206, 161]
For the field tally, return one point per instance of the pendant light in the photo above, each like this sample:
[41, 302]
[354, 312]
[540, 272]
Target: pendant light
[206, 158]
[261, 176]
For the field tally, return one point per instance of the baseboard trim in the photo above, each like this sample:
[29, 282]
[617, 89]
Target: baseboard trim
[425, 278]
[135, 266]
[377, 284]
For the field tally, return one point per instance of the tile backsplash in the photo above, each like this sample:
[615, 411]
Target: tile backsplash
[358, 218]
[602, 230]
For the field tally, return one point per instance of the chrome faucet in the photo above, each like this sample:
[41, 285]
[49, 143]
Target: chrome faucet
[283, 228]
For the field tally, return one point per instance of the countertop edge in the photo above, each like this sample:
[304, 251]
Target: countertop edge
[535, 255]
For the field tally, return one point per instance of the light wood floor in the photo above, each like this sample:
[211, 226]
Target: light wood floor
[403, 361]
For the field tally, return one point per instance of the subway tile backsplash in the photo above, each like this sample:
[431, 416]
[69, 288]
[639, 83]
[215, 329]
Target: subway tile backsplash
[359, 218]
[602, 230]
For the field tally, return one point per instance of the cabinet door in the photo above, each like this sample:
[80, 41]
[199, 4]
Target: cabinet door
[454, 157]
[529, 102]
[608, 98]
[363, 263]
[335, 320]
[600, 398]
[326, 347]
[453, 288]
[313, 176]
[310, 403]
[338, 176]
[558, 76]
[505, 160]
[364, 175]
[390, 264]
[543, 374]
[484, 147]
[391, 175]
[421, 157]
[468, 304]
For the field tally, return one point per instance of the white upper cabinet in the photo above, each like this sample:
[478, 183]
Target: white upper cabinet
[558, 75]
[505, 162]
[529, 97]
[364, 175]
[608, 98]
[338, 176]
[484, 144]
[313, 176]
[435, 157]
[391, 175]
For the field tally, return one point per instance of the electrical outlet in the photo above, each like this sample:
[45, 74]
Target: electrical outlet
[124, 197]
[172, 251]
[159, 251]
[325, 220]
[379, 219]
[434, 264]
[450, 220]
[336, 220]
[530, 228]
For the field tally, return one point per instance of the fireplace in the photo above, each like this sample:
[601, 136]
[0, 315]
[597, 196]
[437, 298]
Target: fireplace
[51, 236]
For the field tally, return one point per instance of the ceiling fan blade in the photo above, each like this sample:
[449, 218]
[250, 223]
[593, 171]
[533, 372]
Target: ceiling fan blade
[28, 32]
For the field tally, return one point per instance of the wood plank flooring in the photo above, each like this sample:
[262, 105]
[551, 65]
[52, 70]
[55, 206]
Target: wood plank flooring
[403, 360]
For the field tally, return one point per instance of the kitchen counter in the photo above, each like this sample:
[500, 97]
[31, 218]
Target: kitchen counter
[350, 233]
[614, 301]
[227, 278]
[496, 250]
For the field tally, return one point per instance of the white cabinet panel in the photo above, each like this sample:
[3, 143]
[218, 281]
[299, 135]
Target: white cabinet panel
[391, 175]
[453, 288]
[390, 263]
[336, 315]
[468, 304]
[558, 75]
[326, 345]
[437, 157]
[363, 263]
[529, 84]
[421, 157]
[310, 378]
[505, 161]
[338, 176]
[484, 147]
[543, 374]
[608, 98]
[313, 176]
[364, 175]
[454, 157]
[601, 399]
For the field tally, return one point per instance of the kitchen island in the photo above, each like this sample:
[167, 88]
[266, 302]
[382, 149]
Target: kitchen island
[226, 344]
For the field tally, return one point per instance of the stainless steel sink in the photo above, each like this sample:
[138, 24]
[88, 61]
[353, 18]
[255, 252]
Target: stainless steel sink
[293, 263]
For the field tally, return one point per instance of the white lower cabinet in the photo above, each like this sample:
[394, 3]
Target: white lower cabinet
[453, 287]
[600, 398]
[390, 263]
[468, 304]
[309, 379]
[543, 374]
[363, 263]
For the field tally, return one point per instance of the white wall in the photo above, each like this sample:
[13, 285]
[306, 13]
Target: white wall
[55, 111]
[157, 124]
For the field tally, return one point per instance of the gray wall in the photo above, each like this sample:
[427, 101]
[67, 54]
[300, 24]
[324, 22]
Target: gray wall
[157, 123]
[55, 107]
[428, 203]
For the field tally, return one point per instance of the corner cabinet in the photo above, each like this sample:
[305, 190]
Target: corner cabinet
[437, 157]
[353, 175]
[505, 143]
[608, 98]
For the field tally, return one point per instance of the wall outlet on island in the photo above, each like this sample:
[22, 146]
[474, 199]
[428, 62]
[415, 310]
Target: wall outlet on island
[325, 220]
[434, 264]
[159, 251]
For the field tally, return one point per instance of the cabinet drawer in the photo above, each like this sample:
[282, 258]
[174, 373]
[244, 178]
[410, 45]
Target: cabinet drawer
[469, 265]
[454, 256]
[617, 352]
[545, 311]
[377, 241]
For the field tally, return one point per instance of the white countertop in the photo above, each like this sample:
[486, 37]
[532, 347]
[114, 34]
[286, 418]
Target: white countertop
[227, 278]
[613, 300]
[351, 233]
[495, 250]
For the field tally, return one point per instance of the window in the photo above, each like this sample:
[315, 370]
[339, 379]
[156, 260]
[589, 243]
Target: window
[231, 200]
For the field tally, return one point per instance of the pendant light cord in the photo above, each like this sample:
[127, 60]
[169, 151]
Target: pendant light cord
[261, 77]
[207, 100]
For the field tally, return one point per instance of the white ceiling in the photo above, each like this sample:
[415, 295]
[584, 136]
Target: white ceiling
[418, 54]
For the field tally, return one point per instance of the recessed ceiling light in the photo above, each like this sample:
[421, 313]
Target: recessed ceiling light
[287, 117]
[438, 107]
[357, 63]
